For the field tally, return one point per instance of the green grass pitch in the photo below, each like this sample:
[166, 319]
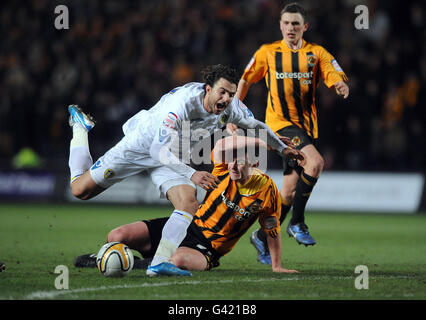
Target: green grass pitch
[35, 238]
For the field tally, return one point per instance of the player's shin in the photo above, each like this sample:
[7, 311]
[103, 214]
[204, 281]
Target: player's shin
[174, 231]
[304, 188]
[80, 159]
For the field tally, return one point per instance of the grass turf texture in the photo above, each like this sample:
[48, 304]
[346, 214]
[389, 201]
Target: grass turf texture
[36, 238]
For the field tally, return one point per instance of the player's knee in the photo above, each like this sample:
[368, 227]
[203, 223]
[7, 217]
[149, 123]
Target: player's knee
[80, 192]
[179, 261]
[315, 166]
[117, 235]
[188, 205]
[288, 196]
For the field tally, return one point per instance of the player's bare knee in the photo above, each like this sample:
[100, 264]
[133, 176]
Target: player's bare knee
[188, 205]
[287, 197]
[315, 166]
[116, 235]
[179, 261]
[80, 192]
[192, 206]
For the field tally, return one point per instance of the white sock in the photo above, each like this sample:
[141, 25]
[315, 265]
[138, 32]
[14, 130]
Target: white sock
[174, 231]
[80, 159]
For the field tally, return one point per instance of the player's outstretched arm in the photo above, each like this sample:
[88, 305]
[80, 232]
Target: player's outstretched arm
[274, 245]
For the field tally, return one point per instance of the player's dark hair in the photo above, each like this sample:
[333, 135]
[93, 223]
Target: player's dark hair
[212, 74]
[294, 7]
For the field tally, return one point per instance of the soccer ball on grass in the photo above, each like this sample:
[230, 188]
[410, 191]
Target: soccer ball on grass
[115, 259]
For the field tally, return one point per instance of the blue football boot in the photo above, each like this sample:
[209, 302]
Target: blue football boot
[300, 232]
[78, 116]
[167, 269]
[263, 255]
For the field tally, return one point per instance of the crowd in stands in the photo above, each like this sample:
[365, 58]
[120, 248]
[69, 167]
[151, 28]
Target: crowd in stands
[118, 57]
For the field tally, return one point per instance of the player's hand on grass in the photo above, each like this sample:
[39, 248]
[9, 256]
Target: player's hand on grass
[342, 89]
[205, 180]
[295, 154]
[283, 270]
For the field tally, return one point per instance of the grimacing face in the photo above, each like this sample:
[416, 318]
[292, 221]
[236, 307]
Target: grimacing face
[239, 170]
[219, 96]
[292, 26]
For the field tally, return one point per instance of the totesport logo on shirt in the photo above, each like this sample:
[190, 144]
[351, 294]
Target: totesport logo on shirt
[294, 75]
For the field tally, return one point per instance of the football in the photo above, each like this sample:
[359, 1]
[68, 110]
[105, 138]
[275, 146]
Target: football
[115, 259]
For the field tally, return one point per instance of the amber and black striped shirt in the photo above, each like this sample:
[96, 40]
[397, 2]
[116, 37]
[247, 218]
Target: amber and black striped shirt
[229, 210]
[292, 77]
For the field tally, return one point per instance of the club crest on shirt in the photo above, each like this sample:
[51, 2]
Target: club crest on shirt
[311, 59]
[108, 173]
[296, 141]
[224, 118]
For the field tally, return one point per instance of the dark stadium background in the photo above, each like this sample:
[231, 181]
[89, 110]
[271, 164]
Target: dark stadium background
[118, 57]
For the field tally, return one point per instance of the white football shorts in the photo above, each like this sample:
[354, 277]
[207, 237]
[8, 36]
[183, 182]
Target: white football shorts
[120, 162]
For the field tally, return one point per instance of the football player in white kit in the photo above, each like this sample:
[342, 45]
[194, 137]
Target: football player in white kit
[148, 136]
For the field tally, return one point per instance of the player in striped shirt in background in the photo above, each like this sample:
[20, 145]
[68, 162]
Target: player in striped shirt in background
[292, 69]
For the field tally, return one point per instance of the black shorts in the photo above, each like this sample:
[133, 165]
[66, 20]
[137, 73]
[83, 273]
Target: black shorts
[194, 239]
[300, 139]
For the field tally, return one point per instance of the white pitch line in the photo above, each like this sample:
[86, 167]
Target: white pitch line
[57, 293]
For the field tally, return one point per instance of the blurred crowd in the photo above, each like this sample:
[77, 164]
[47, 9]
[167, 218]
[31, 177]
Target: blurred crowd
[118, 57]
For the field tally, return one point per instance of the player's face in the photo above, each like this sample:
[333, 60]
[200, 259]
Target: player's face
[239, 170]
[292, 27]
[219, 96]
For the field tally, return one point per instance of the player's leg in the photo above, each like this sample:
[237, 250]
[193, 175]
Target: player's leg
[135, 235]
[183, 198]
[181, 192]
[80, 160]
[189, 259]
[142, 236]
[308, 178]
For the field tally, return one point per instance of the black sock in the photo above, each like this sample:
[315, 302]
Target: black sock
[261, 235]
[295, 166]
[142, 263]
[284, 211]
[303, 191]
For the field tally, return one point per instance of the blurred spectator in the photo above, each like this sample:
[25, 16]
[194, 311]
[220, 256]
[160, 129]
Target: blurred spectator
[121, 56]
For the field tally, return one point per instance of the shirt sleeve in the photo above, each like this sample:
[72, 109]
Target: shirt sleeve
[257, 68]
[270, 219]
[331, 72]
